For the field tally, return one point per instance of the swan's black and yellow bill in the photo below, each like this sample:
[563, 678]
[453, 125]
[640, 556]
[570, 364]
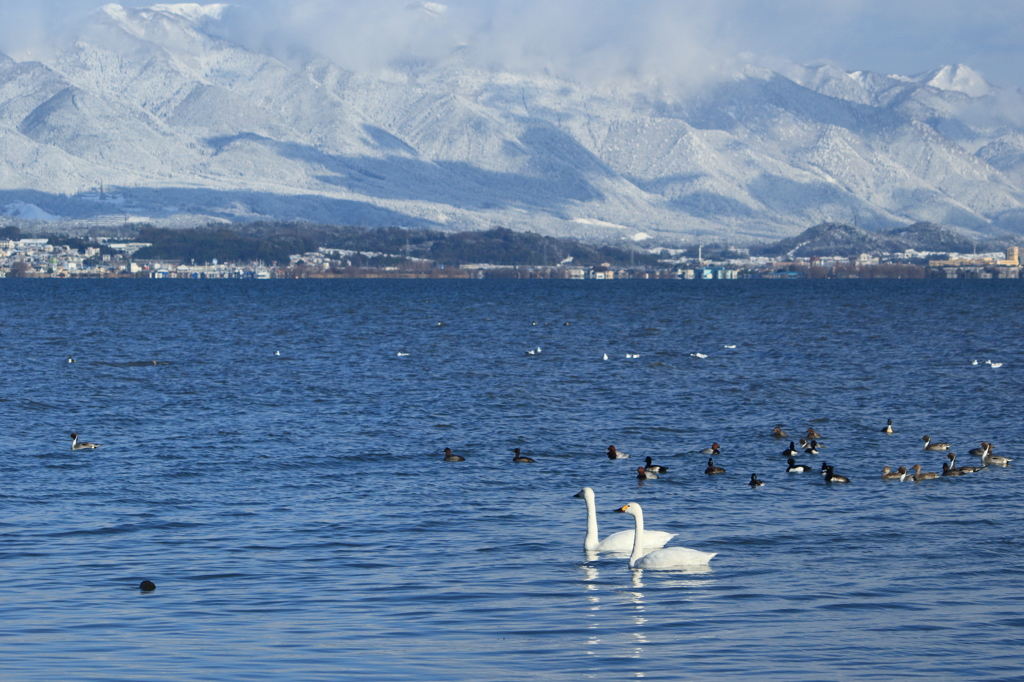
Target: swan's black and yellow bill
[579, 494]
[622, 508]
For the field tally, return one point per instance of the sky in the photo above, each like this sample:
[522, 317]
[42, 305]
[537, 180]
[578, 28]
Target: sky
[596, 39]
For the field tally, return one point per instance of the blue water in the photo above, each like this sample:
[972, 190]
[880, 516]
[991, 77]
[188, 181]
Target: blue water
[296, 518]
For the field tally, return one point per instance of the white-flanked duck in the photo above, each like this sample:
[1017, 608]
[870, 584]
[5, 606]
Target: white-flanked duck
[812, 448]
[82, 445]
[925, 476]
[656, 468]
[660, 559]
[449, 457]
[888, 427]
[832, 477]
[616, 542]
[712, 469]
[904, 474]
[713, 450]
[615, 454]
[929, 445]
[520, 459]
[70, 359]
[824, 468]
[790, 451]
[643, 474]
[755, 482]
[995, 460]
[795, 468]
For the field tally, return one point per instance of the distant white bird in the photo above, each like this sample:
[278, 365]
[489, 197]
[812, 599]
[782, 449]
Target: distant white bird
[401, 354]
[732, 346]
[698, 355]
[277, 352]
[974, 362]
[996, 365]
[605, 356]
[632, 356]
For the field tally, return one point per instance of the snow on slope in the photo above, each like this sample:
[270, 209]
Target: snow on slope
[147, 99]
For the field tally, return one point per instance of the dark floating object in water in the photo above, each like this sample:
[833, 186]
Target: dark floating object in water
[147, 586]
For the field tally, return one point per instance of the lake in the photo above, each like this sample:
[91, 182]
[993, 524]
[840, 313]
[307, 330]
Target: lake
[271, 459]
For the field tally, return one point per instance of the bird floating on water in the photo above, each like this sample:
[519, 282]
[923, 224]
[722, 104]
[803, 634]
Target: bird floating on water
[616, 542]
[888, 427]
[521, 459]
[667, 558]
[449, 457]
[755, 482]
[929, 445]
[712, 469]
[82, 445]
[615, 454]
[642, 473]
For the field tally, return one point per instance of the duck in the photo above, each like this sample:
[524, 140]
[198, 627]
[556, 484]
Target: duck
[779, 433]
[918, 476]
[888, 475]
[660, 559]
[996, 460]
[832, 477]
[812, 434]
[713, 450]
[616, 542]
[888, 427]
[656, 468]
[947, 471]
[795, 468]
[520, 459]
[449, 457]
[615, 454]
[643, 474]
[966, 469]
[70, 359]
[812, 449]
[790, 451]
[929, 445]
[978, 452]
[824, 468]
[82, 445]
[755, 482]
[804, 443]
[712, 469]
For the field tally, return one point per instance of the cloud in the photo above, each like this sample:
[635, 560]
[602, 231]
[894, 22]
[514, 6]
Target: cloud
[664, 40]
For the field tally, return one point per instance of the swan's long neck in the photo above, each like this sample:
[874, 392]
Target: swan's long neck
[638, 537]
[591, 541]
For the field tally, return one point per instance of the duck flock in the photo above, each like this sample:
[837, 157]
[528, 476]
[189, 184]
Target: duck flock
[647, 547]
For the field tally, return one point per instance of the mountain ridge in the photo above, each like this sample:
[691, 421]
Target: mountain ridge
[187, 126]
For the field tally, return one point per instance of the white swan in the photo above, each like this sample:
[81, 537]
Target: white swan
[669, 557]
[616, 542]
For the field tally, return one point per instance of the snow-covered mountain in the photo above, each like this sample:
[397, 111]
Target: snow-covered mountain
[172, 120]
